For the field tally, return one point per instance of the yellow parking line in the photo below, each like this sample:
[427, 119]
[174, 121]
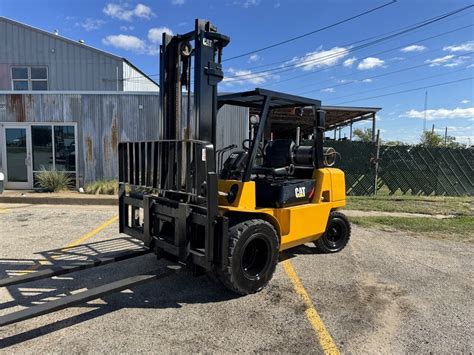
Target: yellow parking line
[325, 339]
[92, 233]
[74, 243]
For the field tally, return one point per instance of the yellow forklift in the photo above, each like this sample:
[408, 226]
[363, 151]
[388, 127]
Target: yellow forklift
[230, 221]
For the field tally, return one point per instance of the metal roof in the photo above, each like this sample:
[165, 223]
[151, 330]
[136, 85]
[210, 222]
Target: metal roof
[343, 115]
[283, 113]
[254, 99]
[57, 36]
[284, 120]
[75, 43]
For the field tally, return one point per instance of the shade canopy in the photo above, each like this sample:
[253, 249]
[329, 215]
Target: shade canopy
[255, 98]
[283, 116]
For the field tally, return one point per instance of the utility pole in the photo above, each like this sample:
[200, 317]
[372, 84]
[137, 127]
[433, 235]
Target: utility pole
[432, 129]
[446, 137]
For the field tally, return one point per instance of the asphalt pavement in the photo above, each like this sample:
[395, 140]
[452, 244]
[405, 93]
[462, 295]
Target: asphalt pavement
[387, 292]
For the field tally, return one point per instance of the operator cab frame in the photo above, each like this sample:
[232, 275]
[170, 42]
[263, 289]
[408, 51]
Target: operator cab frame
[284, 176]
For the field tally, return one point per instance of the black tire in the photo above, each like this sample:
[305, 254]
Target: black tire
[253, 256]
[337, 234]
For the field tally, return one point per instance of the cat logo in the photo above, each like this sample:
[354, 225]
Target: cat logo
[300, 192]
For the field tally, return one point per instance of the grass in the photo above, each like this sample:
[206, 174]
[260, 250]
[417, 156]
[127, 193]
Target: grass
[53, 181]
[102, 187]
[458, 228]
[458, 206]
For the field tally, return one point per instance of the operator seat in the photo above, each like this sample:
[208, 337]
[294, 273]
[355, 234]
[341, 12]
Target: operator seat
[277, 158]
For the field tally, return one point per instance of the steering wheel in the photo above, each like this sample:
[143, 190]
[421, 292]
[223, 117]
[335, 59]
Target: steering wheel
[246, 146]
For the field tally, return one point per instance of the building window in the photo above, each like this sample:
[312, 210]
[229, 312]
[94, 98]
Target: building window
[30, 78]
[54, 148]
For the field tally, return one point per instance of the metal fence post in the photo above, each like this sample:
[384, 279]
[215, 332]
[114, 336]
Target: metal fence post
[377, 155]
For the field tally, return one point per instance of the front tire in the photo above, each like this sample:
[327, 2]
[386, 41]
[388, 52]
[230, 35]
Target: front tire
[337, 234]
[252, 258]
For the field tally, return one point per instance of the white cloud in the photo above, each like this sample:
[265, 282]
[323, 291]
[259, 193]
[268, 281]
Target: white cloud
[320, 58]
[441, 113]
[248, 3]
[177, 2]
[349, 62]
[328, 90]
[449, 61]
[463, 47]
[343, 81]
[367, 80]
[245, 76]
[127, 28]
[465, 101]
[413, 48]
[126, 42]
[90, 24]
[397, 58]
[254, 58]
[370, 63]
[155, 35]
[464, 139]
[438, 61]
[123, 12]
[143, 11]
[457, 61]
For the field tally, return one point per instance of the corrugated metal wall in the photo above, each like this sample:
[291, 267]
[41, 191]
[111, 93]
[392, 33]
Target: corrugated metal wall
[105, 119]
[71, 66]
[133, 80]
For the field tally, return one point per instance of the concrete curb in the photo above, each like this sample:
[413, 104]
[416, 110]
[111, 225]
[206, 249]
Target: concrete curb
[42, 200]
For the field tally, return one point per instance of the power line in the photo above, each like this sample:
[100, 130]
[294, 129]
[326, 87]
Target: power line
[409, 90]
[312, 32]
[282, 69]
[372, 54]
[349, 44]
[381, 75]
[402, 83]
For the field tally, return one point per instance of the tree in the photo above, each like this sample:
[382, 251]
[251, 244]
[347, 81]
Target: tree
[431, 139]
[364, 135]
[394, 143]
[451, 142]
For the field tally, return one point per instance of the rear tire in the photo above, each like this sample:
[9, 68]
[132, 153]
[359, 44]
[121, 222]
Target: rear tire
[253, 256]
[337, 234]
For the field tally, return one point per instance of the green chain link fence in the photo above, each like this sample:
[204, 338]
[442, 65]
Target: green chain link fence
[405, 169]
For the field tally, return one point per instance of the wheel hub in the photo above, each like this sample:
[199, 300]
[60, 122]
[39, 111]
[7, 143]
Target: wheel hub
[255, 258]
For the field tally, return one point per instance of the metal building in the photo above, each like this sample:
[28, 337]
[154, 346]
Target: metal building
[79, 132]
[35, 60]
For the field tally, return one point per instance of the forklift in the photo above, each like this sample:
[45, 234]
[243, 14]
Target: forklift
[228, 220]
[269, 196]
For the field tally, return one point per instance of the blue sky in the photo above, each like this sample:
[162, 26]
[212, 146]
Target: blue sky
[324, 65]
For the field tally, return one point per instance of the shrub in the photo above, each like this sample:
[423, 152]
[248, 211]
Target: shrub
[53, 181]
[102, 187]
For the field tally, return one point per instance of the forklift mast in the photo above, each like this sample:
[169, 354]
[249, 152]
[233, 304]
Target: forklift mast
[176, 57]
[168, 187]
